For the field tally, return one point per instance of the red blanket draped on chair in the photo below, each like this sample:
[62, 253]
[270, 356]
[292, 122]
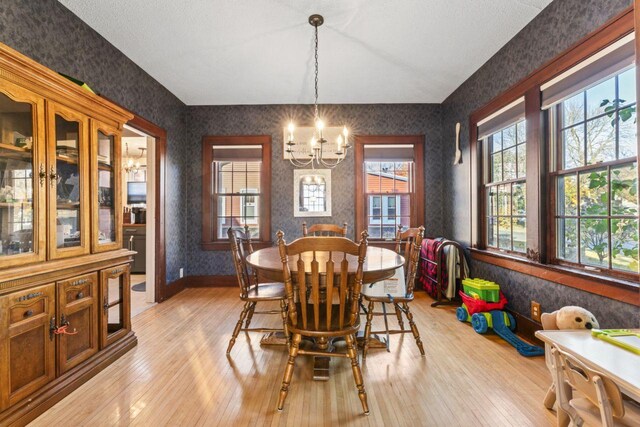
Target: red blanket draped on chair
[429, 270]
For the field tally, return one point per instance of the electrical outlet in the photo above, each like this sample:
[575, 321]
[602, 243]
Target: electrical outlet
[181, 272]
[535, 311]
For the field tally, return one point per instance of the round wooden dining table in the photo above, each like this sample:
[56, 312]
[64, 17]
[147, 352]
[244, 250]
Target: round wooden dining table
[379, 264]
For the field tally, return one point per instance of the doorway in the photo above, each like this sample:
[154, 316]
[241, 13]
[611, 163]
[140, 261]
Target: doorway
[139, 221]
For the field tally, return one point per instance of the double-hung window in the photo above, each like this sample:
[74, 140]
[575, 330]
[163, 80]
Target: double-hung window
[594, 167]
[236, 183]
[503, 141]
[389, 184]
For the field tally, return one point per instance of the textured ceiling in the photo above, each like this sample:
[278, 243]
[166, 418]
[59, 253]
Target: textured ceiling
[216, 52]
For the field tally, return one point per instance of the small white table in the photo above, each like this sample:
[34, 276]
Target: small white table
[620, 365]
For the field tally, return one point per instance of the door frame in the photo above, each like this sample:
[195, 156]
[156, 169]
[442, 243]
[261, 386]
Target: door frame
[160, 135]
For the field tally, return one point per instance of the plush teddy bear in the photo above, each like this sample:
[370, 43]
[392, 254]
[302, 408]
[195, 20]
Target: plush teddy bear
[569, 317]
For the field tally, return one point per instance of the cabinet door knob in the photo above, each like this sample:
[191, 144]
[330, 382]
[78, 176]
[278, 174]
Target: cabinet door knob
[53, 177]
[80, 295]
[28, 313]
[42, 174]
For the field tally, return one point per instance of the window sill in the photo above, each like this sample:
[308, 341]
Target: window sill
[613, 288]
[224, 246]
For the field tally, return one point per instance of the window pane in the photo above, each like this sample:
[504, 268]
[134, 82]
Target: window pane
[594, 199]
[627, 87]
[496, 144]
[375, 232]
[573, 110]
[594, 242]
[225, 177]
[521, 129]
[522, 160]
[224, 206]
[388, 231]
[601, 140]
[519, 199]
[509, 137]
[519, 234]
[492, 231]
[223, 226]
[504, 200]
[405, 221]
[624, 190]
[509, 164]
[504, 233]
[573, 147]
[253, 182]
[496, 167]
[567, 195]
[239, 182]
[567, 239]
[402, 177]
[253, 166]
[405, 206]
[624, 241]
[605, 91]
[628, 132]
[493, 201]
[373, 177]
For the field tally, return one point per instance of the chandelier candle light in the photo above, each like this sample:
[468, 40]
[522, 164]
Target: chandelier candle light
[318, 150]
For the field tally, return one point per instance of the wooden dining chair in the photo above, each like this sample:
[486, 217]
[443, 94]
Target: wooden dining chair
[408, 245]
[324, 230]
[598, 401]
[322, 278]
[251, 293]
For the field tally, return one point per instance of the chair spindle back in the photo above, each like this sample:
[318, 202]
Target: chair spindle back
[408, 244]
[324, 230]
[594, 385]
[240, 248]
[322, 275]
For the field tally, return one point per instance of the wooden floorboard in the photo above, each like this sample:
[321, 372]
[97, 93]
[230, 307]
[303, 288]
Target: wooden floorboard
[179, 375]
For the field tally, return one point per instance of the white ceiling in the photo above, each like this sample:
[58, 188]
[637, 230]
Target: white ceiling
[217, 52]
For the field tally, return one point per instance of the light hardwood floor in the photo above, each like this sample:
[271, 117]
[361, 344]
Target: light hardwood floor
[178, 375]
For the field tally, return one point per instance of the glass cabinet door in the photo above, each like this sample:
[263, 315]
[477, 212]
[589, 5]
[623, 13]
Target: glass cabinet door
[68, 171]
[22, 176]
[116, 317]
[105, 196]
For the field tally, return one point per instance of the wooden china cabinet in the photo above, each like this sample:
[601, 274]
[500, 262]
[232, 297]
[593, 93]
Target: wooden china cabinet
[64, 279]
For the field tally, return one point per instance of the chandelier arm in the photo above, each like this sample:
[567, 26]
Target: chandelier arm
[297, 162]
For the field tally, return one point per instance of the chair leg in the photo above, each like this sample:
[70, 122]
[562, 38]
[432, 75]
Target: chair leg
[367, 330]
[414, 328]
[550, 397]
[250, 315]
[357, 373]
[288, 371]
[399, 316]
[283, 310]
[238, 327]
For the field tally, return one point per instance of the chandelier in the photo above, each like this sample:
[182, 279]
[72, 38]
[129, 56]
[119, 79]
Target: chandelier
[130, 164]
[318, 152]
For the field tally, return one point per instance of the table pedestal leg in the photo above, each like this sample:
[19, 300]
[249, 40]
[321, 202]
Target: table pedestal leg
[376, 341]
[274, 338]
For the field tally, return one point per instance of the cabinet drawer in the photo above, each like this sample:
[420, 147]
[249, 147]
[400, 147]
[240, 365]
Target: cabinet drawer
[78, 288]
[136, 231]
[27, 310]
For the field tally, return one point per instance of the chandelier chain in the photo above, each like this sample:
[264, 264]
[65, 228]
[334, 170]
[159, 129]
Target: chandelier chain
[315, 104]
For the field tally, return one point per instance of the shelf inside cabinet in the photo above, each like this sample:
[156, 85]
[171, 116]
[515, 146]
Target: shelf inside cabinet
[68, 205]
[15, 153]
[14, 204]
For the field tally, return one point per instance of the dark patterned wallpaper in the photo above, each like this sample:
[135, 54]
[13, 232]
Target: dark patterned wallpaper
[396, 119]
[555, 29]
[49, 33]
